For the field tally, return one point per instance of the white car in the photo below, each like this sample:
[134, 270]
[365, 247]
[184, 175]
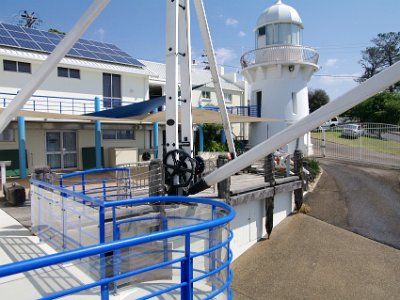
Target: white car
[331, 123]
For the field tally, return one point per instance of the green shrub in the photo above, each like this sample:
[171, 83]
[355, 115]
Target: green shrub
[313, 167]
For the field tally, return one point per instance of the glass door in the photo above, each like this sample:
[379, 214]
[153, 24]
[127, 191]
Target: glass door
[61, 150]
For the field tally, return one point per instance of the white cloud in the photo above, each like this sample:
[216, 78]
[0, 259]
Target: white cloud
[241, 34]
[231, 22]
[223, 55]
[331, 62]
[100, 34]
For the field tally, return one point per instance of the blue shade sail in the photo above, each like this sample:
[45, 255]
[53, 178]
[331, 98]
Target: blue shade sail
[43, 41]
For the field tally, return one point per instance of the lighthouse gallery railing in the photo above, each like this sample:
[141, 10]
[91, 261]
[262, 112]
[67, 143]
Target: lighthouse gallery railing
[280, 54]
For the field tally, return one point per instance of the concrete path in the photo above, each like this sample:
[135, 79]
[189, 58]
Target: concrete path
[362, 199]
[309, 259]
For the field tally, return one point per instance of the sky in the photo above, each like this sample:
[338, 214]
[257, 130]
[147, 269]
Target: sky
[338, 29]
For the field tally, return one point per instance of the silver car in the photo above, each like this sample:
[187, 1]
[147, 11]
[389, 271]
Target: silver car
[353, 131]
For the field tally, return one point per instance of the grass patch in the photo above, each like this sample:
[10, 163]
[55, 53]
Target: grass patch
[368, 143]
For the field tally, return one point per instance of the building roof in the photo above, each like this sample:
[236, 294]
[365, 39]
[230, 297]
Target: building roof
[20, 53]
[279, 13]
[199, 76]
[17, 37]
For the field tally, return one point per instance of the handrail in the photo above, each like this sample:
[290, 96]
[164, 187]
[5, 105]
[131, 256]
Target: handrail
[41, 262]
[279, 54]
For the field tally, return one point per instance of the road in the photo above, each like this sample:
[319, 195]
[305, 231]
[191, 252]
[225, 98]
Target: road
[364, 200]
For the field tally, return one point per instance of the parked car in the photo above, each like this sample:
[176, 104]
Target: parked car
[331, 123]
[352, 131]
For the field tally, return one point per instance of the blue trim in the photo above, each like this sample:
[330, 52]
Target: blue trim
[97, 134]
[98, 144]
[155, 137]
[201, 137]
[22, 147]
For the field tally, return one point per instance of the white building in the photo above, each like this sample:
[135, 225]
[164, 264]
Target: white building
[278, 71]
[91, 69]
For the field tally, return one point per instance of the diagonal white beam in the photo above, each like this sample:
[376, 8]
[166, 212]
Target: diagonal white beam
[51, 62]
[205, 32]
[343, 103]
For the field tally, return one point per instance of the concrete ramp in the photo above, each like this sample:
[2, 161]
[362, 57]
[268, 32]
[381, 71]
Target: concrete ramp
[309, 259]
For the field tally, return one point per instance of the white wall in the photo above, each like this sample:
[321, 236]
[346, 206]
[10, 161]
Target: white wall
[284, 97]
[134, 87]
[249, 224]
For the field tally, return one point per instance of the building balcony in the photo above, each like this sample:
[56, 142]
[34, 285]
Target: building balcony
[282, 54]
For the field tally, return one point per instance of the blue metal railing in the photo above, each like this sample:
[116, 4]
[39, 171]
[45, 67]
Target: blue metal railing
[53, 104]
[249, 111]
[202, 237]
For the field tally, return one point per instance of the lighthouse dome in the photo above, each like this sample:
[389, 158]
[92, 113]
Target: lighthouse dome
[279, 13]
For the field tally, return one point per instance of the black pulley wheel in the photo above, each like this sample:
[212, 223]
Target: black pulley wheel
[178, 164]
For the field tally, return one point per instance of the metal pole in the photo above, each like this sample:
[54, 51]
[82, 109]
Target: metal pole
[155, 137]
[334, 108]
[51, 62]
[22, 147]
[186, 77]
[205, 32]
[98, 135]
[171, 89]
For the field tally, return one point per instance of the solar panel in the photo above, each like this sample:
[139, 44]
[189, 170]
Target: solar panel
[4, 32]
[13, 27]
[74, 52]
[19, 35]
[28, 44]
[80, 46]
[43, 41]
[40, 39]
[46, 47]
[8, 41]
[32, 31]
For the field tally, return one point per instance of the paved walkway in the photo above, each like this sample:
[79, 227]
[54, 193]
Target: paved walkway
[309, 259]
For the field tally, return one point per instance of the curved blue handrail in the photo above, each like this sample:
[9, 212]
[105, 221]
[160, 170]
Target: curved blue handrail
[103, 248]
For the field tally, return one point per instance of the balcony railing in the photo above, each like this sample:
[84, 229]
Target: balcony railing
[280, 54]
[248, 111]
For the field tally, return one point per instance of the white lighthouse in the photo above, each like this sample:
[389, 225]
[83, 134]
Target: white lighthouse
[278, 71]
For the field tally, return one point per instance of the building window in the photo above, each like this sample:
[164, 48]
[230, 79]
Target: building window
[112, 90]
[69, 73]
[16, 66]
[206, 95]
[118, 134]
[228, 97]
[261, 31]
[7, 135]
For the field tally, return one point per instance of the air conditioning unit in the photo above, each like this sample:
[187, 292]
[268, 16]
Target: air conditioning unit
[122, 156]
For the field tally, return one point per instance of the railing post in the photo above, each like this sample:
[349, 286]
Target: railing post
[298, 167]
[117, 253]
[323, 142]
[103, 262]
[225, 185]
[269, 202]
[187, 272]
[156, 178]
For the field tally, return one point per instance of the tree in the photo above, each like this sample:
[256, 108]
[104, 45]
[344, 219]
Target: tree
[53, 30]
[384, 53]
[381, 108]
[317, 98]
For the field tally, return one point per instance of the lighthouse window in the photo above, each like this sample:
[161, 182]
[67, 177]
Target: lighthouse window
[270, 34]
[284, 34]
[261, 31]
[294, 103]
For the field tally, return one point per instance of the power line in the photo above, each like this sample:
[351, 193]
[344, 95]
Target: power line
[337, 76]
